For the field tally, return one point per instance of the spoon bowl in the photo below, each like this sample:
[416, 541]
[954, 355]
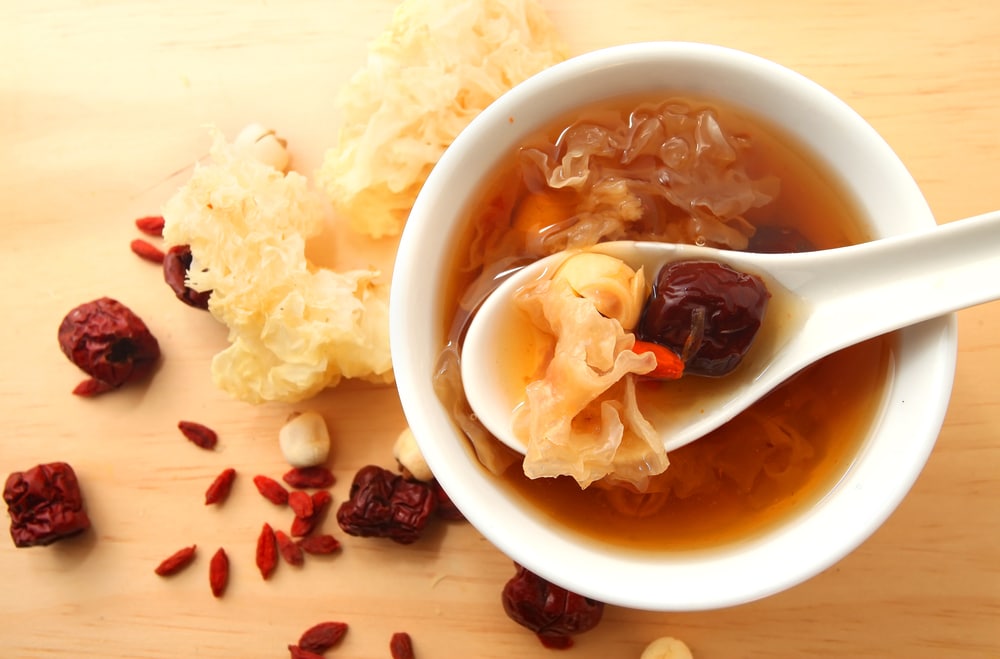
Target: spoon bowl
[820, 302]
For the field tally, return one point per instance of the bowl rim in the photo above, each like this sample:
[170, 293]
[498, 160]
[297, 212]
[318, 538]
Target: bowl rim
[671, 581]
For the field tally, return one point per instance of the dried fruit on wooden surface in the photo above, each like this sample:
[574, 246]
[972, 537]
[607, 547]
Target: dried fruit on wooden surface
[218, 572]
[553, 613]
[322, 636]
[384, 504]
[108, 342]
[176, 562]
[45, 504]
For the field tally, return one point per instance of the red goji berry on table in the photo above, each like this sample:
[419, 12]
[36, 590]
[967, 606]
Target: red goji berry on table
[305, 525]
[301, 653]
[198, 434]
[271, 490]
[147, 251]
[401, 646]
[319, 544]
[322, 636]
[108, 342]
[303, 478]
[218, 572]
[176, 263]
[267, 552]
[176, 562]
[289, 551]
[219, 490]
[300, 503]
[151, 225]
[45, 504]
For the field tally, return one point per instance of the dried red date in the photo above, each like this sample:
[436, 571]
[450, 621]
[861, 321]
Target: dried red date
[386, 505]
[45, 504]
[445, 508]
[553, 613]
[108, 342]
[303, 478]
[705, 312]
[176, 263]
[322, 636]
[401, 646]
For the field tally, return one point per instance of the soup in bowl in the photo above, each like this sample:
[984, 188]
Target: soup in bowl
[674, 142]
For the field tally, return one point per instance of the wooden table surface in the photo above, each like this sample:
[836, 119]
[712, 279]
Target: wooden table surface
[103, 108]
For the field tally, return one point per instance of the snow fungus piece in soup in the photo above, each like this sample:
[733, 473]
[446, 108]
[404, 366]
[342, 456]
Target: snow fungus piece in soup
[675, 170]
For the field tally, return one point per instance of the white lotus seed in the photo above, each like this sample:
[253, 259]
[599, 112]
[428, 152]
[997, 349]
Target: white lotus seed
[264, 145]
[666, 648]
[409, 457]
[305, 440]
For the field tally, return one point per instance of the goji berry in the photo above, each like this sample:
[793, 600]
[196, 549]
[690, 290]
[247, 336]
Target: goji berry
[300, 503]
[147, 251]
[108, 342]
[45, 504]
[302, 478]
[90, 388]
[218, 572]
[304, 525]
[401, 646]
[301, 653]
[176, 562]
[319, 544]
[151, 225]
[289, 551]
[271, 490]
[201, 436]
[267, 552]
[669, 365]
[322, 636]
[218, 491]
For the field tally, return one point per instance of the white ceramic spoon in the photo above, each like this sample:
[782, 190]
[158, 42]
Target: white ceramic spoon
[821, 302]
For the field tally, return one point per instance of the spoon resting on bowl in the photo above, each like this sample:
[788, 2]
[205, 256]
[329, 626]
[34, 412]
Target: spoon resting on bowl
[822, 301]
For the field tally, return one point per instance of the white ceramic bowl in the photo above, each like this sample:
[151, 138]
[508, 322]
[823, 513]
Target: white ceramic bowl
[891, 457]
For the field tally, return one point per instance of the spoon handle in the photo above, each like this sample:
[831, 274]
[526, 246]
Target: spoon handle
[880, 286]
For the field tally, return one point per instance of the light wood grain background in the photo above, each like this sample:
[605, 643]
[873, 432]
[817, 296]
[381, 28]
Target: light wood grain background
[103, 108]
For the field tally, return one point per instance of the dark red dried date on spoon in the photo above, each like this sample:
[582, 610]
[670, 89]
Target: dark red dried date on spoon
[384, 504]
[176, 263]
[45, 504]
[706, 312]
[553, 613]
[108, 342]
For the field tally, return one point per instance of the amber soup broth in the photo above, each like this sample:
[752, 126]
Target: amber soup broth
[749, 475]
